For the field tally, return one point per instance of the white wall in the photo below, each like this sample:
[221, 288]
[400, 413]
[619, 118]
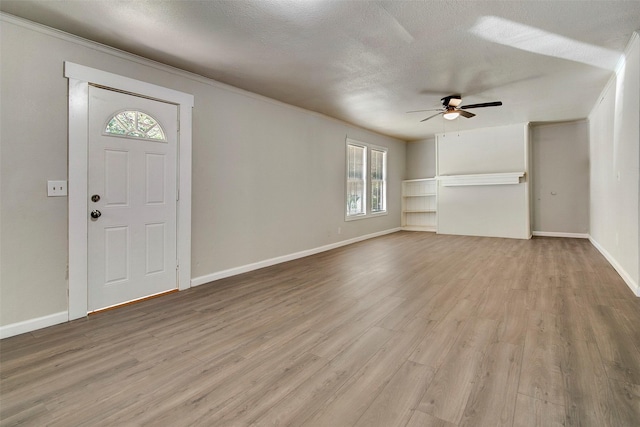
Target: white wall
[560, 178]
[421, 159]
[268, 177]
[614, 135]
[484, 210]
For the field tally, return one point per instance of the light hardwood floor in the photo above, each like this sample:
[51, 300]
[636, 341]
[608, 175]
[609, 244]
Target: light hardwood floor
[409, 329]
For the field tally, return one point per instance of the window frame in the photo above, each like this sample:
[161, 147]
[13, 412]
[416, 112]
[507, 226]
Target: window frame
[368, 187]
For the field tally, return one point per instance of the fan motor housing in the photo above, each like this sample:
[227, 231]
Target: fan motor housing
[451, 101]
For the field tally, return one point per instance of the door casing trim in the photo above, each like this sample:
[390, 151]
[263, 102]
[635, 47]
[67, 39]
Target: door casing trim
[80, 77]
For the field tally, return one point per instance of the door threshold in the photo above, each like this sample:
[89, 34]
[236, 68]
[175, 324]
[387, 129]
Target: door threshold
[135, 301]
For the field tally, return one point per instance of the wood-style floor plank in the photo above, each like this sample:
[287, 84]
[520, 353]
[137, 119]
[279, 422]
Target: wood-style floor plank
[620, 361]
[305, 400]
[448, 393]
[408, 329]
[492, 400]
[393, 406]
[589, 399]
[627, 402]
[532, 412]
[541, 375]
[348, 404]
[420, 419]
[435, 346]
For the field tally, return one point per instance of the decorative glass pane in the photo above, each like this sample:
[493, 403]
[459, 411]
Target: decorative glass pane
[135, 124]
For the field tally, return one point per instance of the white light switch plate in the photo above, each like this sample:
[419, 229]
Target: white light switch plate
[56, 188]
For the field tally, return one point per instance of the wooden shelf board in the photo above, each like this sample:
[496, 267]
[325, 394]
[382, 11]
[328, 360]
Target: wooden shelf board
[431, 228]
[481, 179]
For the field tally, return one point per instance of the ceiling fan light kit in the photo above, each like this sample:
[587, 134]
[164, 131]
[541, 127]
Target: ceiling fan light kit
[451, 115]
[451, 108]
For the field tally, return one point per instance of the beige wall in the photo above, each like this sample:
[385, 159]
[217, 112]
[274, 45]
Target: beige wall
[614, 135]
[484, 210]
[560, 177]
[559, 164]
[421, 159]
[268, 178]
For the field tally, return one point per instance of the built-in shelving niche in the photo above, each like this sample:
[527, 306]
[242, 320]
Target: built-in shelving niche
[419, 204]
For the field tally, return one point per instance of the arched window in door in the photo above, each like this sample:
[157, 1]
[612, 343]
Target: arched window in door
[135, 124]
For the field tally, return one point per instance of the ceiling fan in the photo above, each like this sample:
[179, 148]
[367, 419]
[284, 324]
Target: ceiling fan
[451, 108]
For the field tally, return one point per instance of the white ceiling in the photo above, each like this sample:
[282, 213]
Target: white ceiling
[369, 62]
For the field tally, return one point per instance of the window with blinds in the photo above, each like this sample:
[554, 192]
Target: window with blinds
[378, 181]
[356, 182]
[366, 187]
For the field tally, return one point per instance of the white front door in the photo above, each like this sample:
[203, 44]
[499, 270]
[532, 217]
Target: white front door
[131, 197]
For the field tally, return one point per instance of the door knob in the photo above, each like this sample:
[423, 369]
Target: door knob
[96, 214]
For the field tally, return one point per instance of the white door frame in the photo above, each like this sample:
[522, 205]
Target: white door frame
[79, 79]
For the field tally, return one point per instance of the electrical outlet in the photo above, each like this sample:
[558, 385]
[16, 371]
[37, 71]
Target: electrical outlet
[56, 188]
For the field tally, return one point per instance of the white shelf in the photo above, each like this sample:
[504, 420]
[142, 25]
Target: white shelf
[419, 204]
[481, 179]
[419, 228]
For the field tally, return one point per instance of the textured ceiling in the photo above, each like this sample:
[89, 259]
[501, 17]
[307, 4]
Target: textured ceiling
[369, 62]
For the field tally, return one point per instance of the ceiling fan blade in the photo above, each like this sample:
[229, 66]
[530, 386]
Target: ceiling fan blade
[484, 104]
[466, 114]
[420, 111]
[431, 117]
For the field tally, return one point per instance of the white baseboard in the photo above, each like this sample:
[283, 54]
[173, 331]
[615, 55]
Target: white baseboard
[561, 234]
[33, 324]
[63, 316]
[197, 281]
[632, 284]
[25, 326]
